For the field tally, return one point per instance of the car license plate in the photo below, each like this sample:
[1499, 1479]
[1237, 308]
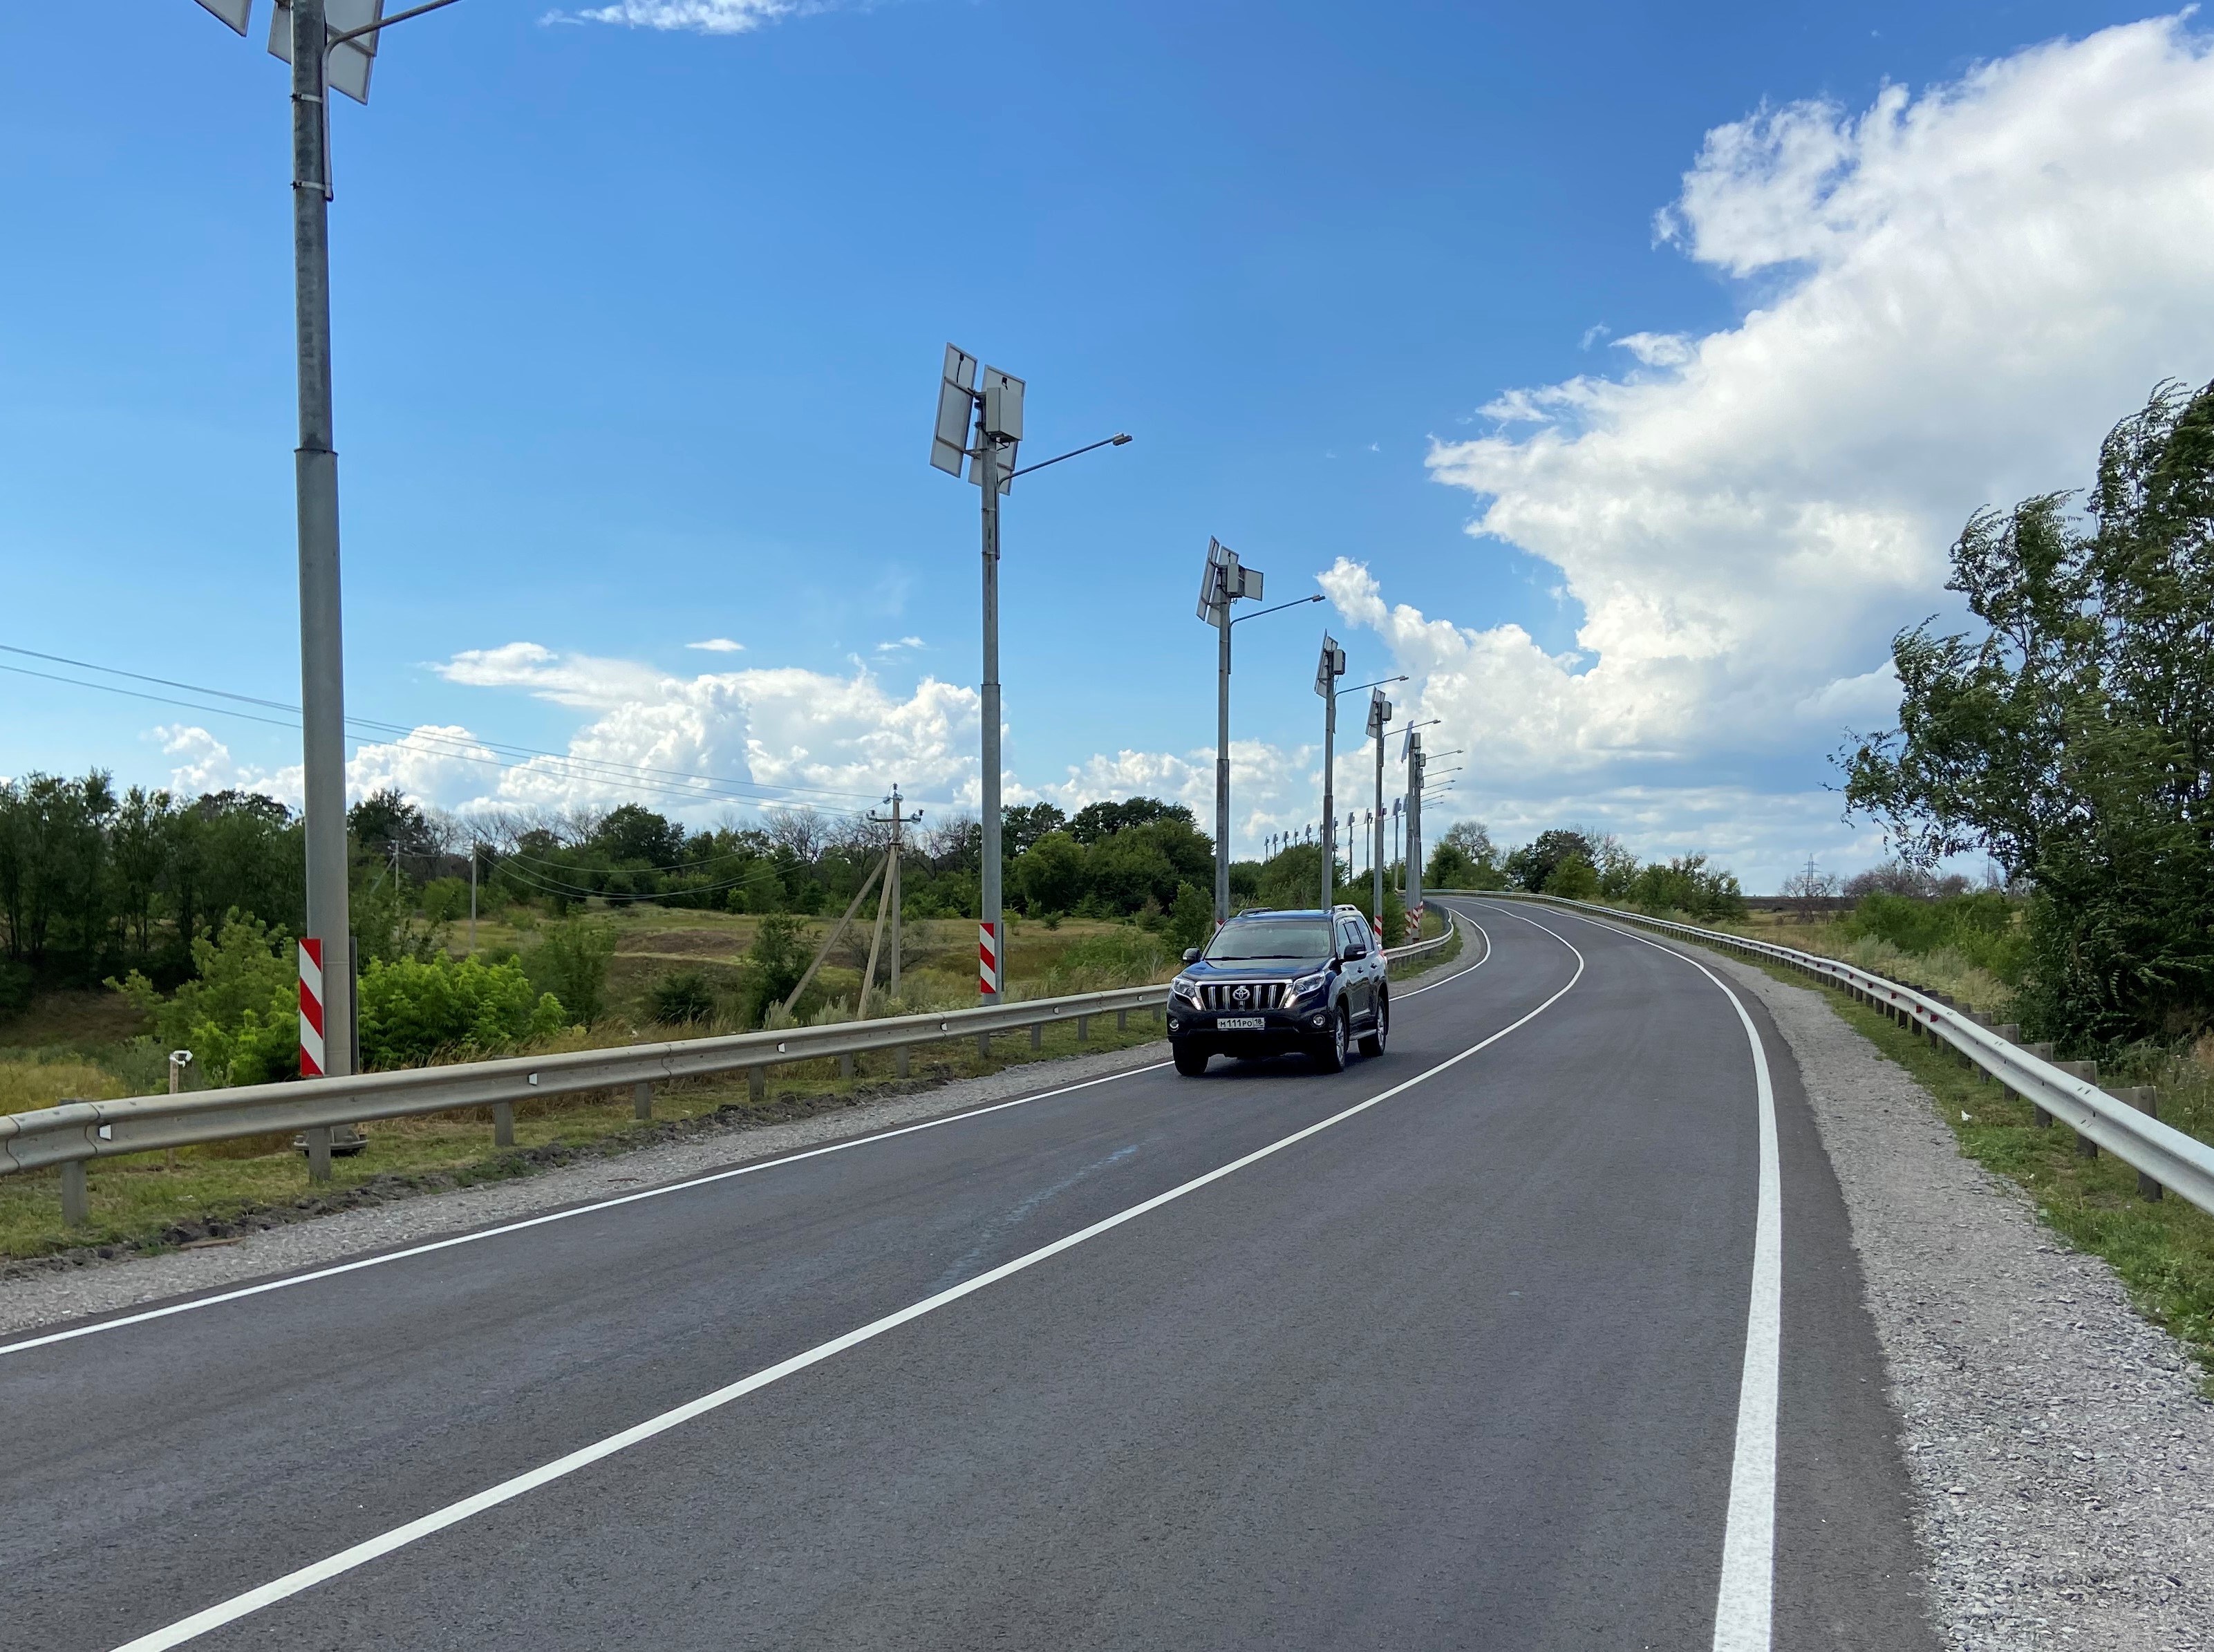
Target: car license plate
[1241, 1022]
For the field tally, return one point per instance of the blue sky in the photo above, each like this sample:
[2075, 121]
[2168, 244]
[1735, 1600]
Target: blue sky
[637, 332]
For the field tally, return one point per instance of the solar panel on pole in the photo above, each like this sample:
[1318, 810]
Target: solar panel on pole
[351, 63]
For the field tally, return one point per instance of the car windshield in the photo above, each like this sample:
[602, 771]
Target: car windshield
[1289, 938]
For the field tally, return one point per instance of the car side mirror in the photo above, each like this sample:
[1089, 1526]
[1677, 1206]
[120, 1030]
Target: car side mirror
[1354, 952]
[1191, 955]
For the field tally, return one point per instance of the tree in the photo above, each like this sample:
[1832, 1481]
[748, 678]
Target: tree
[2072, 739]
[1053, 874]
[634, 835]
[1807, 889]
[385, 821]
[776, 961]
[1025, 823]
[1573, 878]
[1531, 865]
[1095, 820]
[1191, 917]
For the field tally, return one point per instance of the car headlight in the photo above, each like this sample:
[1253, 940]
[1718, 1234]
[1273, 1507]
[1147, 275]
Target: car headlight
[1314, 983]
[1185, 988]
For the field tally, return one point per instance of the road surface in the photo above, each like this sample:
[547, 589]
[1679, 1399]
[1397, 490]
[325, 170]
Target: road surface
[1227, 1362]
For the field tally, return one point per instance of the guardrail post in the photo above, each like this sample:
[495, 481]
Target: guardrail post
[845, 1065]
[76, 1197]
[756, 1084]
[2089, 1072]
[502, 1123]
[2044, 1052]
[319, 1153]
[899, 1061]
[984, 1046]
[641, 1100]
[2146, 1100]
[1038, 1035]
[1082, 1029]
[1121, 1020]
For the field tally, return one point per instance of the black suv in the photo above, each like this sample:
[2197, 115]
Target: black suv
[1274, 982]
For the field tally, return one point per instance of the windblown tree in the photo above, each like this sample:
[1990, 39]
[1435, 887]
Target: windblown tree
[2072, 737]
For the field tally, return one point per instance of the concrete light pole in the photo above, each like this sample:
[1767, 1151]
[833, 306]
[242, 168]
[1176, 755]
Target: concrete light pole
[1328, 669]
[1379, 716]
[324, 59]
[1226, 580]
[997, 407]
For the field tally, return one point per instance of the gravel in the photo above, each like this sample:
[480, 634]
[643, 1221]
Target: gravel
[46, 1296]
[2059, 1449]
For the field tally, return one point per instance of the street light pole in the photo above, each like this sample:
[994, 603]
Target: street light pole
[991, 946]
[1328, 669]
[316, 482]
[1224, 581]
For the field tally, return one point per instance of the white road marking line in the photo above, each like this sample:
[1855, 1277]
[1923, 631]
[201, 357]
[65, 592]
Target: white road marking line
[426, 1249]
[346, 1560]
[1745, 1600]
[218, 1298]
[1460, 917]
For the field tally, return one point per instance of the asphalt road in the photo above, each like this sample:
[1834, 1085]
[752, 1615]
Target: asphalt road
[1460, 1369]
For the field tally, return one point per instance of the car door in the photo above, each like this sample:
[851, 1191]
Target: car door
[1360, 993]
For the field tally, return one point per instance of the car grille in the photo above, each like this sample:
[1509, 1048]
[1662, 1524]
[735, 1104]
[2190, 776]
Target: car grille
[1259, 995]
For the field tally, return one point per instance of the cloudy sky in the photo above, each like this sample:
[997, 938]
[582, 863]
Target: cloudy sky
[1619, 380]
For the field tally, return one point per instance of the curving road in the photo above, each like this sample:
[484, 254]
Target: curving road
[1448, 1350]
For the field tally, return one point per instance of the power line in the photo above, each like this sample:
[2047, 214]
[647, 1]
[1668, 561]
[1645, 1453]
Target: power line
[690, 786]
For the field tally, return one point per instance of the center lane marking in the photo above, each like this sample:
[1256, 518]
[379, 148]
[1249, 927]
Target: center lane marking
[346, 1560]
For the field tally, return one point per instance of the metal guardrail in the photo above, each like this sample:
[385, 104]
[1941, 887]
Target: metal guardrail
[77, 1132]
[1418, 949]
[2161, 1153]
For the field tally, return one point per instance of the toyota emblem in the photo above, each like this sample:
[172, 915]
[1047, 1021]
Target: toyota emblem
[1243, 994]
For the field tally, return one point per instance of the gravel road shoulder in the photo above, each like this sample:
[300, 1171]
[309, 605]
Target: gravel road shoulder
[2059, 1451]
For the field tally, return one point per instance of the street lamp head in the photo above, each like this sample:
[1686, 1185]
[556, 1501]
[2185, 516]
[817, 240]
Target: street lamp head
[1119, 439]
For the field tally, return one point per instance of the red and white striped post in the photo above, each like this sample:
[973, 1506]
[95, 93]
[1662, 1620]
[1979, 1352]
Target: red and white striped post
[311, 1007]
[988, 962]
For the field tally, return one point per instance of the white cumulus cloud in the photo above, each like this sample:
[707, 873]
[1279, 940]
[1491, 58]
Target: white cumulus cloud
[697, 16]
[1955, 291]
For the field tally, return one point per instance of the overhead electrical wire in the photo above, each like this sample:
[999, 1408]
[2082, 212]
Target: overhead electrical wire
[638, 777]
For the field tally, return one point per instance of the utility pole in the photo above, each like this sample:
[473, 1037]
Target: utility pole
[893, 892]
[1415, 834]
[1379, 715]
[473, 897]
[1328, 669]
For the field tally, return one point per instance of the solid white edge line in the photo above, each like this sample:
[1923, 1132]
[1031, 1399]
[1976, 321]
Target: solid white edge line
[346, 1560]
[216, 1299]
[1458, 917]
[1744, 1597]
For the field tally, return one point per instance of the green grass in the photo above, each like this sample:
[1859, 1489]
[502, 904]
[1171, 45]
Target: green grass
[2163, 1252]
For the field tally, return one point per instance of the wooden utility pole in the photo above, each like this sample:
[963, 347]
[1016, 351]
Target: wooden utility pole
[887, 906]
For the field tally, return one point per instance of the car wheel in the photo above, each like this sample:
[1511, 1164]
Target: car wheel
[1372, 1044]
[1329, 1053]
[1189, 1063]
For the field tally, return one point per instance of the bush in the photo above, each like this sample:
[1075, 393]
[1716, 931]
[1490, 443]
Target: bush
[776, 961]
[571, 961]
[444, 900]
[1573, 878]
[14, 988]
[1191, 919]
[683, 997]
[411, 1010]
[241, 1018]
[1984, 928]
